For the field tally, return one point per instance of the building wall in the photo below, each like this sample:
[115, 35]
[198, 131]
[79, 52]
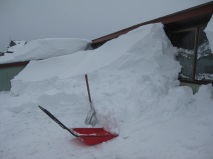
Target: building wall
[7, 74]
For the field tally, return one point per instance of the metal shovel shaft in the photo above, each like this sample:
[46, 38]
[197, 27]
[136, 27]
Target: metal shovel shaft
[91, 118]
[88, 90]
[57, 121]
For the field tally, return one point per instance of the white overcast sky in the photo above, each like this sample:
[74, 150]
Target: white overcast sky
[87, 19]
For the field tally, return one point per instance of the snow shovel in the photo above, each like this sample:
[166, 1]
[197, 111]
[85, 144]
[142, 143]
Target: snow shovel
[91, 118]
[90, 136]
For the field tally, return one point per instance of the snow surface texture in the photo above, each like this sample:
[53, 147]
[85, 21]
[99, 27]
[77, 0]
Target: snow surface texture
[45, 48]
[135, 91]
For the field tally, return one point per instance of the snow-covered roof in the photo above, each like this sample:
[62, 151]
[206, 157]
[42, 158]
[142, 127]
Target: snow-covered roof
[15, 45]
[43, 48]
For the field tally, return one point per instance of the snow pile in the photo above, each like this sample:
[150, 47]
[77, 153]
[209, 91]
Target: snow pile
[135, 91]
[112, 54]
[46, 48]
[209, 32]
[17, 46]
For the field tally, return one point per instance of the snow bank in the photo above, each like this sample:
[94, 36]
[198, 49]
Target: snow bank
[135, 91]
[46, 48]
[144, 57]
[209, 32]
[113, 53]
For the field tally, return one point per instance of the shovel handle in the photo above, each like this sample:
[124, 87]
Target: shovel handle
[88, 90]
[56, 120]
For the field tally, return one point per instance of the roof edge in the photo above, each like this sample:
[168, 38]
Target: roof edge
[200, 10]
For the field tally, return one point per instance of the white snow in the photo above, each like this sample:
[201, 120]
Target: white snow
[19, 45]
[135, 91]
[45, 48]
[209, 32]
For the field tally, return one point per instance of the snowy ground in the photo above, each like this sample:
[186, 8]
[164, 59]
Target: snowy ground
[134, 87]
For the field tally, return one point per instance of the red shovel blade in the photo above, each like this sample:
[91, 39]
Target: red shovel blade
[93, 136]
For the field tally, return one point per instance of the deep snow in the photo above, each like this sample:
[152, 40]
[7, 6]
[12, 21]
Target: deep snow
[134, 87]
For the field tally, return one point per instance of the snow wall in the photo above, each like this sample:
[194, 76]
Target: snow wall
[130, 73]
[137, 69]
[145, 52]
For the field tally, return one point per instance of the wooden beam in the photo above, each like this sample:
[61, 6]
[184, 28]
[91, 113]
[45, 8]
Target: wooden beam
[14, 64]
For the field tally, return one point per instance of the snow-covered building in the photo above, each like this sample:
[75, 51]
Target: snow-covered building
[9, 70]
[20, 53]
[186, 31]
[135, 91]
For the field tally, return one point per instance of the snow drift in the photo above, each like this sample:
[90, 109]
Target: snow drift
[135, 91]
[45, 48]
[113, 54]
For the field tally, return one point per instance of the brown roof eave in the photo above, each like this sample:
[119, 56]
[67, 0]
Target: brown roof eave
[201, 10]
[5, 65]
